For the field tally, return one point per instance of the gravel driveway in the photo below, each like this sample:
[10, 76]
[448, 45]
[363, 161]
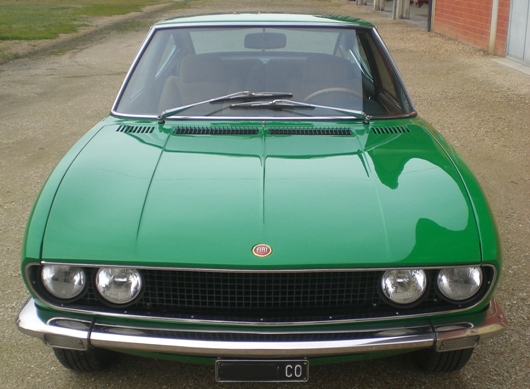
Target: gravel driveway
[483, 108]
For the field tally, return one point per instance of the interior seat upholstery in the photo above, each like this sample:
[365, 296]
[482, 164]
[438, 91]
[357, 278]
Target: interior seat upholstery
[202, 77]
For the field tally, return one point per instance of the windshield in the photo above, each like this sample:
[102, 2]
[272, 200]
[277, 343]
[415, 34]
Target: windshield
[190, 71]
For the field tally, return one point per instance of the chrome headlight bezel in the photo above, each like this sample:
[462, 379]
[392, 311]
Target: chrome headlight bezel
[446, 272]
[79, 277]
[106, 275]
[420, 279]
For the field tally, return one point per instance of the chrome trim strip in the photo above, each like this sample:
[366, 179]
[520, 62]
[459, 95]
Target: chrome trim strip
[175, 119]
[29, 323]
[261, 349]
[259, 270]
[495, 323]
[257, 324]
[144, 339]
[325, 22]
[383, 47]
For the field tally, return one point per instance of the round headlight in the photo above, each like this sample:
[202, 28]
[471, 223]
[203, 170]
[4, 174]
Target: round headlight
[404, 286]
[118, 285]
[62, 281]
[460, 283]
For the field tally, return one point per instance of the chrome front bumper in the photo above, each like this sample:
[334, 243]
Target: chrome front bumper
[79, 335]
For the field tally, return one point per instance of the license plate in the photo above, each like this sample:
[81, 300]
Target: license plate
[229, 370]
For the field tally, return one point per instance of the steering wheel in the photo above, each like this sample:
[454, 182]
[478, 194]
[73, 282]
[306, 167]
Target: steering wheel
[336, 90]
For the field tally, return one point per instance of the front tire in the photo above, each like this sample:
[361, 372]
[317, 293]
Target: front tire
[91, 360]
[431, 361]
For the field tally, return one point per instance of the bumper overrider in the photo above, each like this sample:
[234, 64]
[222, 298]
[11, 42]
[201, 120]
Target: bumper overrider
[67, 333]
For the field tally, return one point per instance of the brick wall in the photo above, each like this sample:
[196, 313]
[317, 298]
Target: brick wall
[470, 21]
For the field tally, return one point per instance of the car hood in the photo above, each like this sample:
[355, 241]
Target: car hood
[375, 198]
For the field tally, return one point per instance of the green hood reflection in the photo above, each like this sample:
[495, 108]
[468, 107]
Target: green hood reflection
[319, 201]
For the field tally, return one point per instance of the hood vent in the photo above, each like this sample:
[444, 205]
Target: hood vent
[310, 131]
[135, 129]
[196, 130]
[390, 130]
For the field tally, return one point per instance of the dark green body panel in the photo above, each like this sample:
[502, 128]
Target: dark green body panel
[367, 200]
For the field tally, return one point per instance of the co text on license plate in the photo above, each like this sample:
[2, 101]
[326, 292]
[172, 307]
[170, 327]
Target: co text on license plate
[230, 370]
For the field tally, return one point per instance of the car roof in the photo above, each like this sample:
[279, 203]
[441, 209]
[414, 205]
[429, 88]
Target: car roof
[258, 17]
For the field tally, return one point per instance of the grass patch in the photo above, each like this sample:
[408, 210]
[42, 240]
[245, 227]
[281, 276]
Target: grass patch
[46, 19]
[116, 7]
[7, 56]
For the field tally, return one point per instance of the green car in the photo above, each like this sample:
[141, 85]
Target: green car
[263, 197]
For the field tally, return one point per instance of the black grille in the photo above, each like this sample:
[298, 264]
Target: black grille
[390, 130]
[135, 129]
[198, 130]
[257, 292]
[310, 131]
[262, 296]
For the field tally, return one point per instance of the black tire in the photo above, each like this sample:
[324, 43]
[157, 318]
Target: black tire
[94, 359]
[431, 361]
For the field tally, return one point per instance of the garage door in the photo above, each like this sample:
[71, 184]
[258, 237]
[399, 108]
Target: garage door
[519, 31]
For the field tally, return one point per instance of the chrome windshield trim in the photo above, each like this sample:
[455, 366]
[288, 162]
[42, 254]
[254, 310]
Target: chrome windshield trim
[395, 69]
[176, 119]
[169, 340]
[335, 24]
[192, 320]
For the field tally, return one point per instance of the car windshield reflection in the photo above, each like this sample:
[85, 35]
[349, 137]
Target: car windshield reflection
[333, 67]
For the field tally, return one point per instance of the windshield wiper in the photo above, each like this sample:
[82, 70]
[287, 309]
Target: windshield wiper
[278, 104]
[241, 95]
[289, 104]
[249, 103]
[251, 96]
